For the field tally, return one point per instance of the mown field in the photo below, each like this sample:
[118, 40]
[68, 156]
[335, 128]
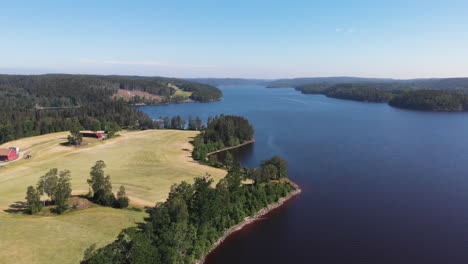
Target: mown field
[146, 162]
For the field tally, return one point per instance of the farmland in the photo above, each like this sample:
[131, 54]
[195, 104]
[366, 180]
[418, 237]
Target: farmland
[146, 162]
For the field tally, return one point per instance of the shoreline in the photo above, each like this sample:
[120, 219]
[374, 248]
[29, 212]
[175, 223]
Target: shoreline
[233, 147]
[250, 219]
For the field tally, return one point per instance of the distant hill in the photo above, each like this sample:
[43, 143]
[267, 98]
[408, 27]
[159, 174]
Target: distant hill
[445, 84]
[229, 81]
[431, 100]
[449, 94]
[287, 83]
[64, 90]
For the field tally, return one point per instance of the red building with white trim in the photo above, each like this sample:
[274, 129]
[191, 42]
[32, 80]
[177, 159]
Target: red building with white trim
[7, 154]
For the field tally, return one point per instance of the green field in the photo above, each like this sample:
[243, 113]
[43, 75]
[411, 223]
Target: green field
[180, 92]
[146, 162]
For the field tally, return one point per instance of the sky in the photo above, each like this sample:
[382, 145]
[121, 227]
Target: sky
[244, 39]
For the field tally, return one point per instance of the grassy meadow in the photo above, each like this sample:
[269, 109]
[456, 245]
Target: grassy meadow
[146, 162]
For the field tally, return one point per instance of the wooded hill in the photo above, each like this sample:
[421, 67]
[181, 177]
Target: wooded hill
[63, 90]
[418, 94]
[40, 104]
[431, 100]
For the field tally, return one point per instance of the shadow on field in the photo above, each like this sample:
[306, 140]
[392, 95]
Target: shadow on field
[17, 207]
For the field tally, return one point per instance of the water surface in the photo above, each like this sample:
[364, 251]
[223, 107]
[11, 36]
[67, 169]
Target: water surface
[381, 184]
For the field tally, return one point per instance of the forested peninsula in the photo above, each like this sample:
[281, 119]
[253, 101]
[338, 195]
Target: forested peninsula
[40, 104]
[197, 216]
[442, 95]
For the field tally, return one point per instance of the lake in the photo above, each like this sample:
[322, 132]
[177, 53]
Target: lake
[380, 184]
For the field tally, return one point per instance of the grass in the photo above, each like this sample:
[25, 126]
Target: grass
[146, 162]
[181, 92]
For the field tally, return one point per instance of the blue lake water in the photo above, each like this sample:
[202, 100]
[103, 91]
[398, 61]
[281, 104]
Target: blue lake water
[380, 184]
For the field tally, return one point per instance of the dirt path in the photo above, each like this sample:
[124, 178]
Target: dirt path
[238, 146]
[21, 153]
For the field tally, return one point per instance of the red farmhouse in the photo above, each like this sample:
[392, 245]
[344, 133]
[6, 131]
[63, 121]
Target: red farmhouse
[7, 154]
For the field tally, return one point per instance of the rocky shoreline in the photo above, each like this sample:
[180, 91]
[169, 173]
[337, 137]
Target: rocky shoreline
[251, 219]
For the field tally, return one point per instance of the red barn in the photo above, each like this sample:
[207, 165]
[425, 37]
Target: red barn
[94, 135]
[7, 154]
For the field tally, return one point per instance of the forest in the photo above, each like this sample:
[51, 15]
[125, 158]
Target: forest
[419, 94]
[194, 216]
[431, 100]
[221, 131]
[39, 104]
[378, 93]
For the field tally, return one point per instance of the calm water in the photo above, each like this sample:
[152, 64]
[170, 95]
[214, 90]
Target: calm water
[381, 185]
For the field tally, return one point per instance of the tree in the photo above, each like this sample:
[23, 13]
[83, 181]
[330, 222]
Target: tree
[111, 128]
[191, 124]
[166, 122]
[228, 160]
[33, 199]
[101, 185]
[48, 184]
[280, 164]
[269, 172]
[122, 199]
[63, 191]
[75, 138]
[198, 123]
[95, 125]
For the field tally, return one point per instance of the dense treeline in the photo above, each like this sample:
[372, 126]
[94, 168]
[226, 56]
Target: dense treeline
[358, 93]
[64, 90]
[16, 123]
[222, 131]
[431, 100]
[285, 83]
[378, 93]
[184, 228]
[447, 84]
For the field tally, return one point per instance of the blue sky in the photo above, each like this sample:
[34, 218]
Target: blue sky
[250, 39]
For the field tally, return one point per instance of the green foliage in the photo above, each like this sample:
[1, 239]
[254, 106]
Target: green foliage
[47, 183]
[431, 100]
[57, 186]
[63, 191]
[111, 129]
[281, 166]
[101, 185]
[184, 228]
[122, 199]
[228, 160]
[359, 93]
[33, 199]
[177, 123]
[75, 138]
[220, 132]
[195, 124]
